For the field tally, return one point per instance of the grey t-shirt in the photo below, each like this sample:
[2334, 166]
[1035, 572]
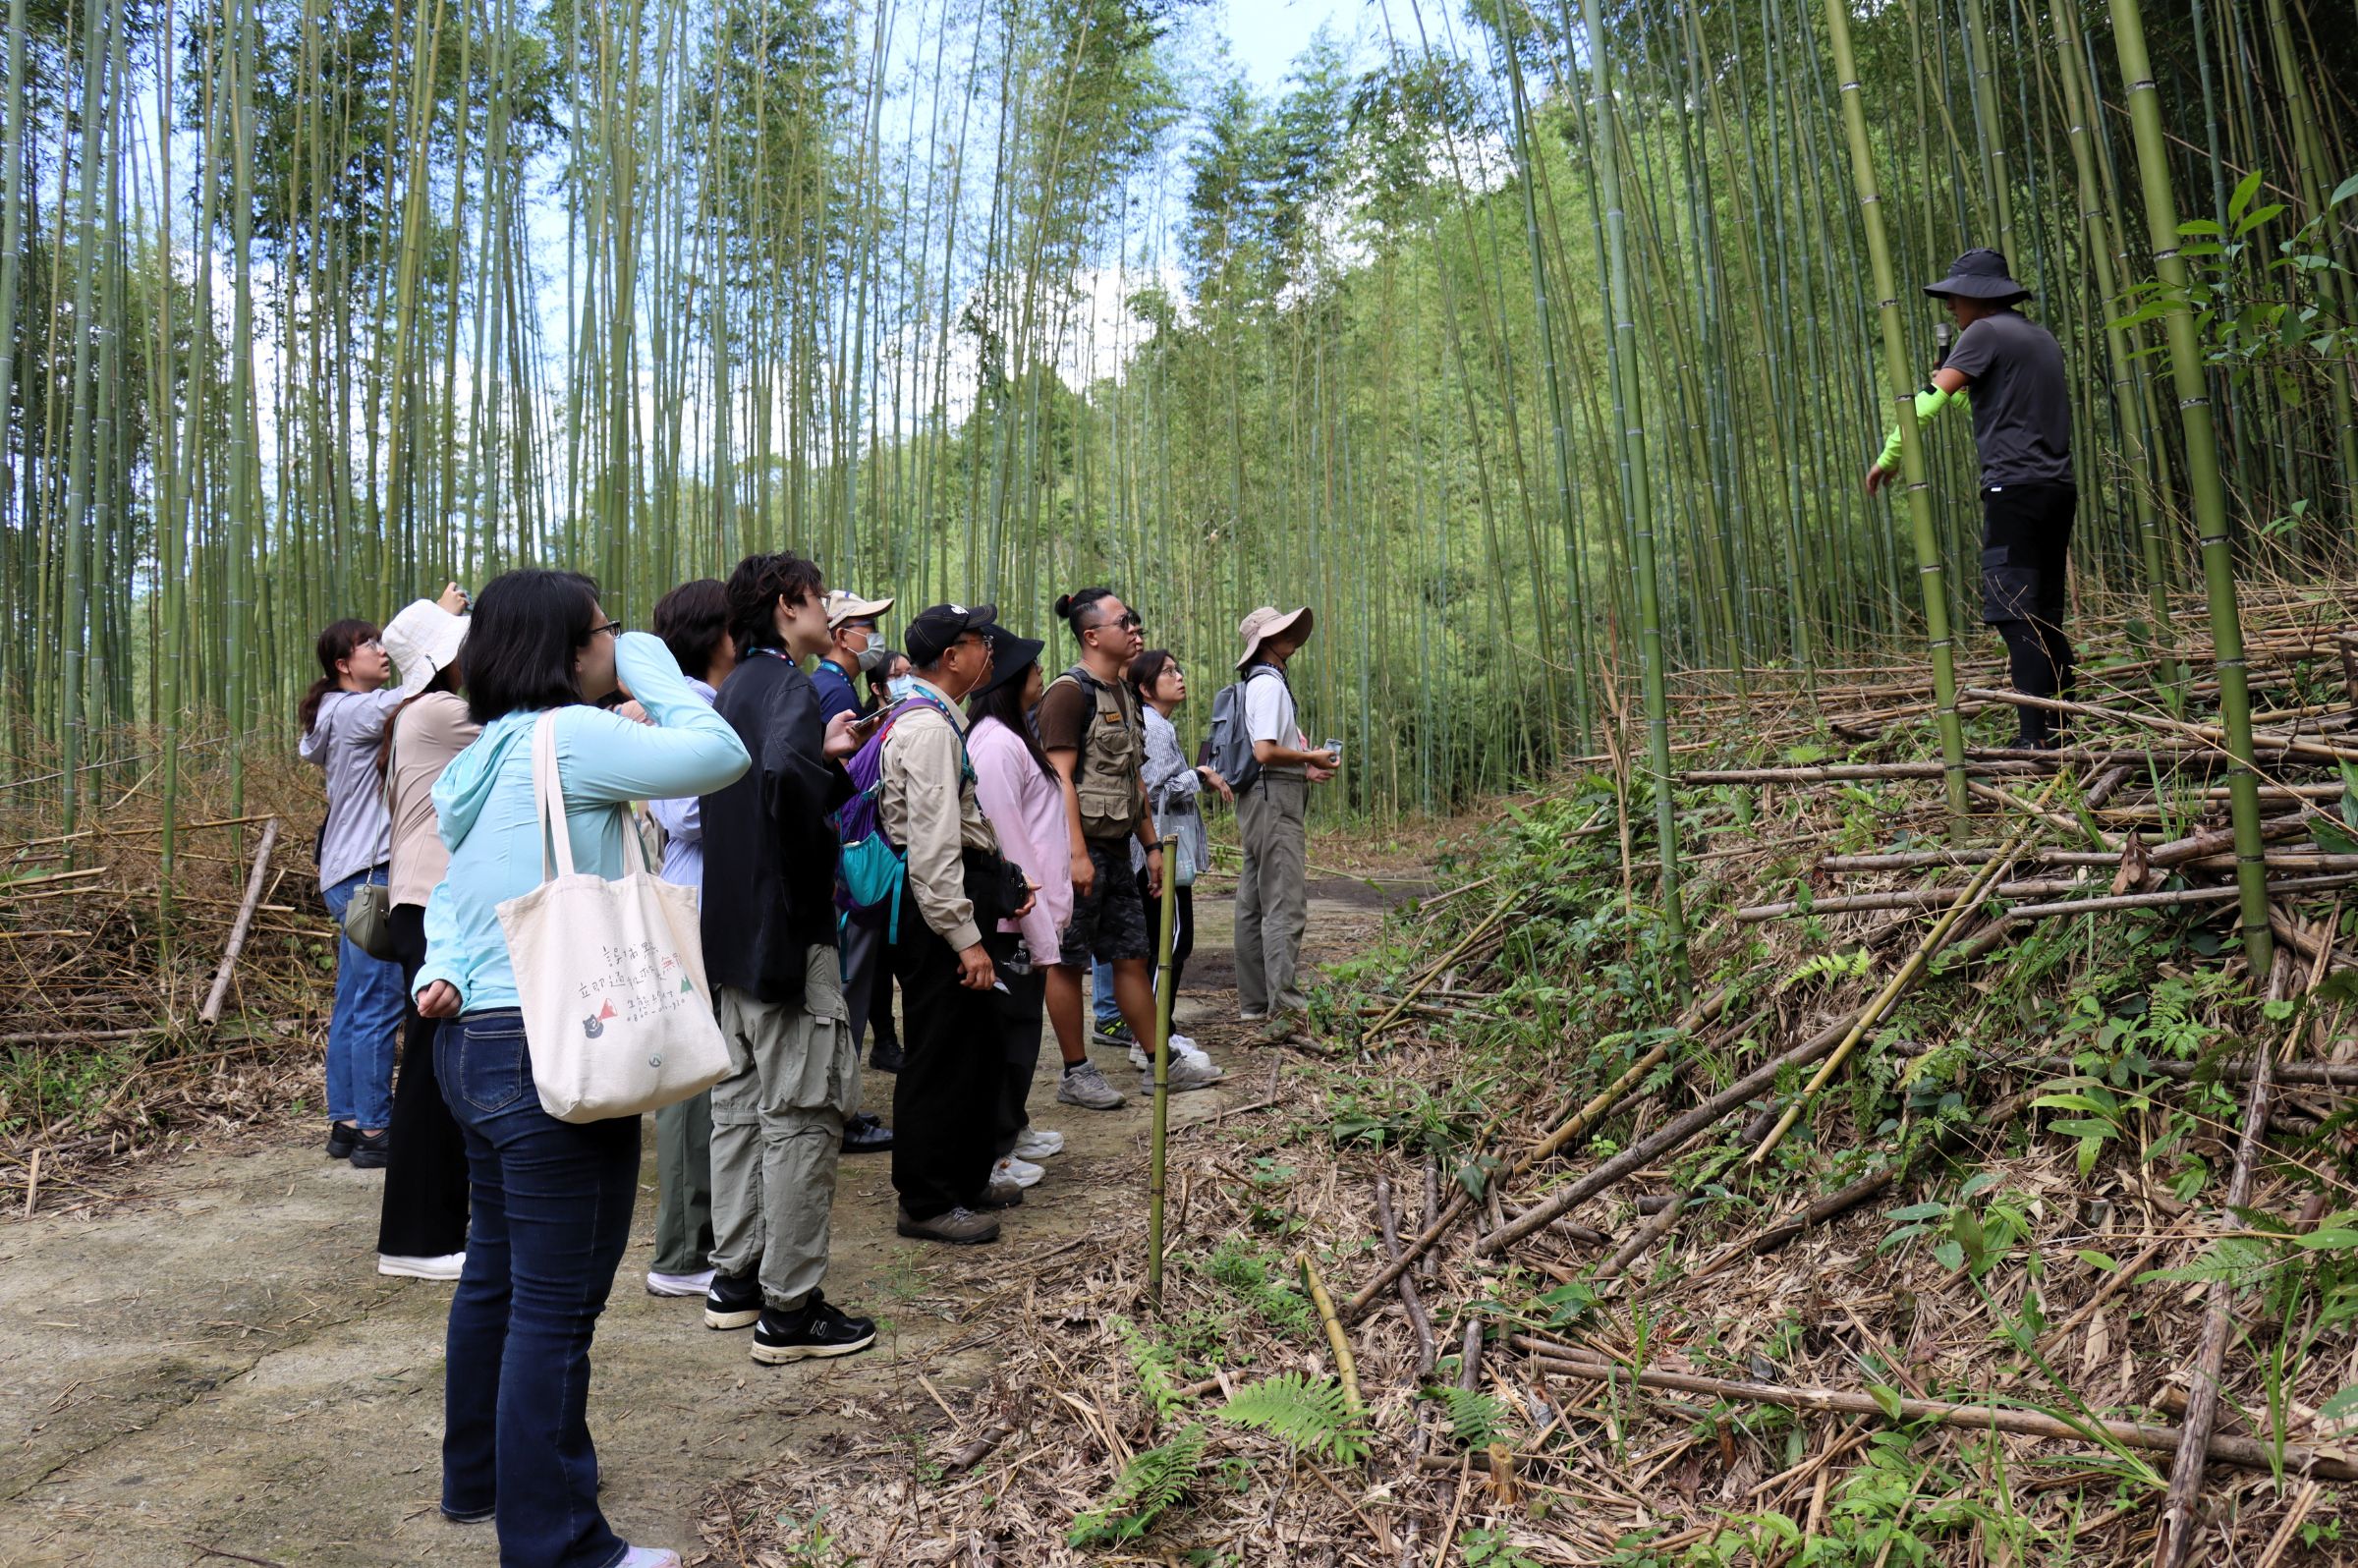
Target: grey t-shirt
[343, 740]
[2021, 410]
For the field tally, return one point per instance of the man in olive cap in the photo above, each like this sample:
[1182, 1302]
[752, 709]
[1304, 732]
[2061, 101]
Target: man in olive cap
[2022, 429]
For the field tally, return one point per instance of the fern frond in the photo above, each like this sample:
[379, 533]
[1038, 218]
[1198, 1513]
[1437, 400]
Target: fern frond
[1154, 1362]
[1476, 1419]
[1826, 966]
[1306, 1412]
[1149, 1484]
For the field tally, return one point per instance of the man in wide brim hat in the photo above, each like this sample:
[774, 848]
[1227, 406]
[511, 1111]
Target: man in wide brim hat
[2022, 430]
[1978, 274]
[1266, 624]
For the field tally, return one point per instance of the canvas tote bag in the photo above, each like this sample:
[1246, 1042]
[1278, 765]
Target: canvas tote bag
[611, 975]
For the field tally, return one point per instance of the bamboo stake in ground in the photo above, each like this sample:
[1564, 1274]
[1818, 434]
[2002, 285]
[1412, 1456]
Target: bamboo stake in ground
[210, 1013]
[1161, 1137]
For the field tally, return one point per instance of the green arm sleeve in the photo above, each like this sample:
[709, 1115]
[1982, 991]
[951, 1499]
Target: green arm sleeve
[1929, 401]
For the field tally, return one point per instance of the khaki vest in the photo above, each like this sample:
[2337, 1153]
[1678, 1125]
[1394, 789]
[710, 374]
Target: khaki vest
[1112, 750]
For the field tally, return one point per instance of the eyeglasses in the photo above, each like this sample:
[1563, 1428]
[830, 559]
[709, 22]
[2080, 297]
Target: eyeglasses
[614, 627]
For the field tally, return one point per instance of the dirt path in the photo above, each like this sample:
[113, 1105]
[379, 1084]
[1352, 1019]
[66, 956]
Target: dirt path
[213, 1371]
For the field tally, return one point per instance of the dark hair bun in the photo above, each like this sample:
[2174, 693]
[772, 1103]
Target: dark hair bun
[1064, 606]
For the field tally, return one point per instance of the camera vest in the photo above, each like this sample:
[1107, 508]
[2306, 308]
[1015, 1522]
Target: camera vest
[1112, 750]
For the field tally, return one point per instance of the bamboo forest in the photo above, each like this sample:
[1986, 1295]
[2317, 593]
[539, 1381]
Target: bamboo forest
[1803, 1012]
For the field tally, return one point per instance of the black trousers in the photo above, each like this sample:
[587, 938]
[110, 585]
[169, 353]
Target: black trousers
[1022, 1013]
[947, 1096]
[1183, 932]
[2025, 548]
[425, 1208]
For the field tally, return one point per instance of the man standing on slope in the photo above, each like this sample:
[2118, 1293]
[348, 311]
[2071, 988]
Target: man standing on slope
[2022, 429]
[1273, 891]
[855, 652]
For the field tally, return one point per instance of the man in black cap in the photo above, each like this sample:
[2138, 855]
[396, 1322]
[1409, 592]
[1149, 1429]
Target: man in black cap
[2022, 429]
[945, 1097]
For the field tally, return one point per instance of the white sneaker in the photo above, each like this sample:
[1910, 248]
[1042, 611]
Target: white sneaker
[694, 1284]
[1022, 1172]
[1038, 1143]
[1182, 1047]
[650, 1558]
[446, 1266]
[1186, 1072]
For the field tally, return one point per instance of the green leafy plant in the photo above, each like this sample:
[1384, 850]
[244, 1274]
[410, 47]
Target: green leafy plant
[1306, 1412]
[1486, 1548]
[1155, 1363]
[1152, 1481]
[1237, 1266]
[1476, 1417]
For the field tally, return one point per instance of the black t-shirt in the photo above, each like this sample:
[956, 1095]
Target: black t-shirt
[2021, 408]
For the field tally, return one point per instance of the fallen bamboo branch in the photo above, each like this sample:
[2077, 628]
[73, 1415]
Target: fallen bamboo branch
[2245, 1453]
[1658, 1226]
[2210, 733]
[1903, 898]
[2183, 895]
[1441, 965]
[1346, 1366]
[210, 1012]
[1905, 976]
[1410, 1301]
[2177, 1530]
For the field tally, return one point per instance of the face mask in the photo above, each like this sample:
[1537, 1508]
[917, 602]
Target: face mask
[871, 655]
[902, 687]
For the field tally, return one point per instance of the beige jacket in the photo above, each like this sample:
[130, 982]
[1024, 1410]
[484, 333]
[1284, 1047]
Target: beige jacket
[427, 734]
[928, 808]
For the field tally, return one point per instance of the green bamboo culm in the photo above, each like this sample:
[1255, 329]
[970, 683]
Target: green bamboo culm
[1631, 436]
[1161, 1137]
[1931, 574]
[2210, 497]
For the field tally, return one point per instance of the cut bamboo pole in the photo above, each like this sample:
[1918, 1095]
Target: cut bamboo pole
[210, 1012]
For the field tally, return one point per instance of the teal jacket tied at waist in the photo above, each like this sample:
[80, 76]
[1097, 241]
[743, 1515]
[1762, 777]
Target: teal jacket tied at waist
[483, 804]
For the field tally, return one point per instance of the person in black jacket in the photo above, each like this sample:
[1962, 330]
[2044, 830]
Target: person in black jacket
[769, 949]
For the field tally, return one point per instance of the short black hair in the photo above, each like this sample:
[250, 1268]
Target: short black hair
[1145, 669]
[692, 619]
[758, 583]
[1070, 607]
[528, 627]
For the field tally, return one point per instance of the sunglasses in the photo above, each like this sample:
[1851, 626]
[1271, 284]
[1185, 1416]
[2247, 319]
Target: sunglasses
[1129, 622]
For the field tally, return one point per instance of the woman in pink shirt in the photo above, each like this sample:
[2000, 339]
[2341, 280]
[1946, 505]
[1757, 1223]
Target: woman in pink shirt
[1018, 792]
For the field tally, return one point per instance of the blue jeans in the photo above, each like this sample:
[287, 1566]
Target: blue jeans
[551, 1216]
[1102, 1000]
[364, 1029]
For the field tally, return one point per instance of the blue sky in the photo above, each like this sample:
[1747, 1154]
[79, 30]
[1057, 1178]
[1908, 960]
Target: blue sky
[1264, 35]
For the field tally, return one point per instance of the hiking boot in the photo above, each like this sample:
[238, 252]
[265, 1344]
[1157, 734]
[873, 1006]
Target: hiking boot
[959, 1227]
[660, 1283]
[812, 1331]
[1004, 1191]
[1038, 1142]
[1022, 1172]
[865, 1135]
[372, 1151]
[446, 1268]
[732, 1302]
[1186, 1073]
[341, 1135]
[884, 1056]
[1083, 1086]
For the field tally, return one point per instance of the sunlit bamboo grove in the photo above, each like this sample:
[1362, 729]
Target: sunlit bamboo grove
[1540, 347]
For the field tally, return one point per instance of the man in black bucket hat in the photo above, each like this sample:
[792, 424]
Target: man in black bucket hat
[2022, 429]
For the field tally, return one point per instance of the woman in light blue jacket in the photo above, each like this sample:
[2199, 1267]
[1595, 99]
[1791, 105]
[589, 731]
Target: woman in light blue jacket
[551, 1199]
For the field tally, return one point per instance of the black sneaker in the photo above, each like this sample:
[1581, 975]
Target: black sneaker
[885, 1056]
[732, 1302]
[812, 1331]
[865, 1135]
[341, 1135]
[372, 1151]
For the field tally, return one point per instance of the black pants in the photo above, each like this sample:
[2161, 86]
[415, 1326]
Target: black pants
[1183, 932]
[2026, 543]
[1022, 1012]
[425, 1210]
[945, 1099]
